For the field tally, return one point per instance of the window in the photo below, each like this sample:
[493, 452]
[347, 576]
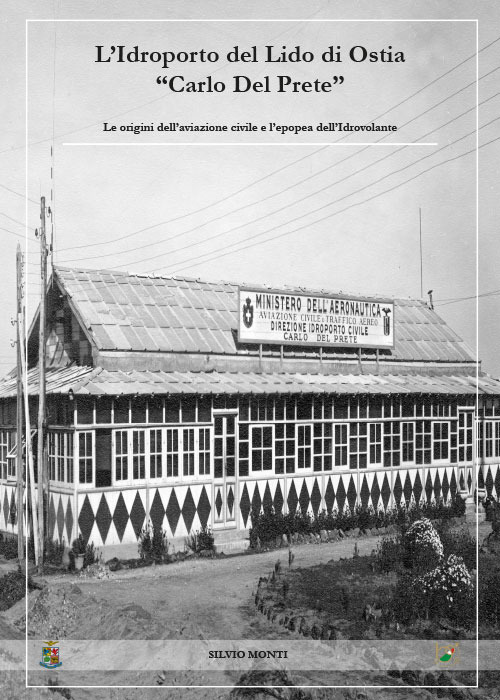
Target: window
[172, 445]
[465, 421]
[85, 457]
[204, 452]
[304, 449]
[138, 454]
[441, 441]
[408, 442]
[323, 446]
[358, 446]
[155, 451]
[60, 456]
[284, 447]
[262, 447]
[423, 440]
[188, 452]
[121, 455]
[488, 438]
[69, 458]
[51, 454]
[375, 431]
[4, 448]
[497, 439]
[392, 444]
[340, 450]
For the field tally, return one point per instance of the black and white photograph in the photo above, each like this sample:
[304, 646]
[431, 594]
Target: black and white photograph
[249, 365]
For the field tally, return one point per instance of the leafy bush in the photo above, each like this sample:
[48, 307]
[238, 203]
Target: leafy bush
[8, 547]
[13, 588]
[201, 540]
[458, 541]
[422, 547]
[448, 590]
[79, 545]
[389, 555]
[489, 590]
[153, 543]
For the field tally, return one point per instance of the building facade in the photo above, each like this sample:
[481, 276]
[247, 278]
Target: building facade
[188, 404]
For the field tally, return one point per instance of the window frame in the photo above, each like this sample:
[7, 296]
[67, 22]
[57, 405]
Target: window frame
[435, 441]
[306, 447]
[262, 447]
[91, 483]
[413, 442]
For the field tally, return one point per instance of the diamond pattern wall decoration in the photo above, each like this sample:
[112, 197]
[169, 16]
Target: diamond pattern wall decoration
[218, 501]
[278, 499]
[445, 486]
[407, 489]
[329, 496]
[189, 509]
[267, 501]
[137, 514]
[315, 497]
[103, 518]
[51, 518]
[60, 520]
[497, 482]
[157, 511]
[480, 478]
[341, 495]
[13, 511]
[437, 486]
[428, 487]
[304, 498]
[6, 508]
[256, 500]
[488, 482]
[386, 492]
[204, 507]
[292, 500]
[69, 521]
[120, 516]
[365, 492]
[351, 494]
[453, 484]
[397, 489]
[244, 505]
[173, 511]
[86, 519]
[417, 488]
[230, 502]
[375, 492]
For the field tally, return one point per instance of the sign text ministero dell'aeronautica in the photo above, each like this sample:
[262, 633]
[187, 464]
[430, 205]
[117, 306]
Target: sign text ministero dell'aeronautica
[275, 317]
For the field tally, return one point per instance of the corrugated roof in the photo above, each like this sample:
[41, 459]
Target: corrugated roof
[180, 314]
[85, 380]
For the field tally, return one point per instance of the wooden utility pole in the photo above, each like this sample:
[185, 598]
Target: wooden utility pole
[19, 417]
[42, 451]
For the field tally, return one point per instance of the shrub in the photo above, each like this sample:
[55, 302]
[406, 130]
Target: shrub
[448, 590]
[489, 590]
[422, 547]
[389, 555]
[12, 589]
[201, 540]
[8, 547]
[153, 543]
[458, 541]
[79, 545]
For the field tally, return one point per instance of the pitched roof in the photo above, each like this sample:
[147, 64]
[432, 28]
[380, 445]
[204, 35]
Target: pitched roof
[129, 312]
[99, 382]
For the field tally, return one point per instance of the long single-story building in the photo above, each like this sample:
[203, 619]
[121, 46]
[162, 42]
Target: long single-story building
[192, 403]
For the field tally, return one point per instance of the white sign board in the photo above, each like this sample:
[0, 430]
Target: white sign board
[301, 319]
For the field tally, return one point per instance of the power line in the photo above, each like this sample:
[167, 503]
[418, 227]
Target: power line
[474, 296]
[313, 211]
[351, 206]
[287, 206]
[19, 235]
[295, 162]
[22, 223]
[4, 187]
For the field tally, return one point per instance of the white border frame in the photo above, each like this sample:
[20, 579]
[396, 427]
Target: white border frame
[475, 460]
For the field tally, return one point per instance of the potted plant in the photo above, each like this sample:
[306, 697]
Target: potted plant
[79, 548]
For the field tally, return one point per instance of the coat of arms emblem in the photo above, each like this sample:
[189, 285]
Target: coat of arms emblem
[387, 321]
[248, 313]
[50, 655]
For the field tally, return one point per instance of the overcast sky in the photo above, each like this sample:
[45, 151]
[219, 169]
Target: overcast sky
[261, 208]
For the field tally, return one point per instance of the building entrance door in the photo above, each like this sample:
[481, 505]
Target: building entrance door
[224, 501]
